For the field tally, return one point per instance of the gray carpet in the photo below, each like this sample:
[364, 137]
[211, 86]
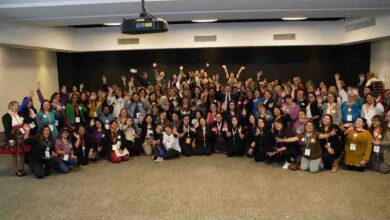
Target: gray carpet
[213, 187]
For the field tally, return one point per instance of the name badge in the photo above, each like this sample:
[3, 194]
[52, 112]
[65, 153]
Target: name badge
[114, 147]
[329, 145]
[377, 149]
[107, 121]
[77, 120]
[56, 123]
[32, 125]
[66, 157]
[51, 127]
[103, 135]
[22, 130]
[107, 126]
[138, 115]
[45, 116]
[307, 152]
[349, 109]
[349, 117]
[188, 140]
[80, 107]
[47, 154]
[352, 146]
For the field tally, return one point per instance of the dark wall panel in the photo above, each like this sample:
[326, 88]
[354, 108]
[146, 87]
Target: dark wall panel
[318, 63]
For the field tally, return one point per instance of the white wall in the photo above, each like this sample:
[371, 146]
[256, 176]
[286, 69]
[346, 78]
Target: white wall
[20, 69]
[182, 35]
[380, 60]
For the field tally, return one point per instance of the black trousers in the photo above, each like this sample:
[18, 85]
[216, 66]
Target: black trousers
[169, 154]
[235, 150]
[286, 155]
[328, 158]
[43, 167]
[134, 147]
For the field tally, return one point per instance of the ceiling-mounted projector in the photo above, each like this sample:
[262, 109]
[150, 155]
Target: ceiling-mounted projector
[145, 24]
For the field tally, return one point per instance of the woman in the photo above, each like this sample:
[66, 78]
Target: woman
[97, 133]
[371, 108]
[148, 134]
[312, 110]
[357, 145]
[64, 150]
[93, 105]
[122, 118]
[49, 118]
[114, 144]
[278, 115]
[131, 141]
[331, 146]
[42, 156]
[333, 108]
[212, 113]
[12, 140]
[263, 141]
[250, 133]
[203, 138]
[380, 160]
[235, 138]
[284, 152]
[219, 132]
[29, 114]
[310, 145]
[82, 146]
[168, 147]
[115, 99]
[186, 135]
[75, 112]
[299, 125]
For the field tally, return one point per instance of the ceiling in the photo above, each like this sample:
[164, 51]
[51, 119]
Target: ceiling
[86, 12]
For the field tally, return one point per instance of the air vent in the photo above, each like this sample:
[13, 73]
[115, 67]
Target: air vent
[207, 38]
[128, 41]
[288, 36]
[360, 24]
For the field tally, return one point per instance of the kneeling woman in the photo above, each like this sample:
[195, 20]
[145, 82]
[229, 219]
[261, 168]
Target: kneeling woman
[309, 140]
[168, 145]
[114, 144]
[235, 137]
[64, 151]
[357, 145]
[331, 147]
[41, 158]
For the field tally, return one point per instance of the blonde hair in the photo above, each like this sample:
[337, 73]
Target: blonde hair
[11, 104]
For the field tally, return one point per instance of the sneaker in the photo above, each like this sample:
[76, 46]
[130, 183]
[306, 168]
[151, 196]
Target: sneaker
[159, 160]
[285, 166]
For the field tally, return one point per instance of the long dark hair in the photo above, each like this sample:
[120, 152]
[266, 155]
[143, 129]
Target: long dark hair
[40, 134]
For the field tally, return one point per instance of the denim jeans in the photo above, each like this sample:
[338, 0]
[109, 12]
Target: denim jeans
[63, 166]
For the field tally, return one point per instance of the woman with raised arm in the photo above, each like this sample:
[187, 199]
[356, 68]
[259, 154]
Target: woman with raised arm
[263, 141]
[75, 112]
[331, 146]
[116, 100]
[131, 142]
[219, 129]
[310, 146]
[148, 134]
[231, 77]
[235, 138]
[82, 146]
[114, 144]
[168, 146]
[42, 157]
[203, 141]
[333, 108]
[12, 140]
[97, 132]
[48, 117]
[358, 145]
[371, 108]
[29, 113]
[312, 110]
[64, 150]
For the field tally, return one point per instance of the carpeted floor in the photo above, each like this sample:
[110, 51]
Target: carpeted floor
[213, 187]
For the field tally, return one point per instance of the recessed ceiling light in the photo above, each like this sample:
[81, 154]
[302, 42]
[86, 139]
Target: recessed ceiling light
[112, 24]
[294, 18]
[204, 20]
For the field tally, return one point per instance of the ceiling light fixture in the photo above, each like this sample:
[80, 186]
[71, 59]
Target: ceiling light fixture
[112, 24]
[204, 20]
[294, 18]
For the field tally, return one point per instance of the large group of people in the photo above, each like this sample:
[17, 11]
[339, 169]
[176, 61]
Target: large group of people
[296, 124]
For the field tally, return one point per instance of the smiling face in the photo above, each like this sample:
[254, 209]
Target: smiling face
[326, 120]
[65, 134]
[261, 123]
[15, 107]
[46, 133]
[309, 127]
[46, 106]
[359, 123]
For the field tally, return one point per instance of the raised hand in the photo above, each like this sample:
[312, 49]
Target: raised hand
[181, 68]
[63, 89]
[154, 65]
[123, 78]
[207, 64]
[242, 68]
[38, 86]
[362, 77]
[337, 76]
[104, 79]
[224, 66]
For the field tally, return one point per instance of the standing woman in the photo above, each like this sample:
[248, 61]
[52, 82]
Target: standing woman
[312, 110]
[29, 113]
[380, 160]
[333, 108]
[12, 140]
[371, 108]
[42, 156]
[235, 135]
[357, 145]
[48, 117]
[203, 139]
[75, 112]
[331, 146]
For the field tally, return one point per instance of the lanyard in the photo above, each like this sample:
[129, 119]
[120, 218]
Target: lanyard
[307, 142]
[47, 145]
